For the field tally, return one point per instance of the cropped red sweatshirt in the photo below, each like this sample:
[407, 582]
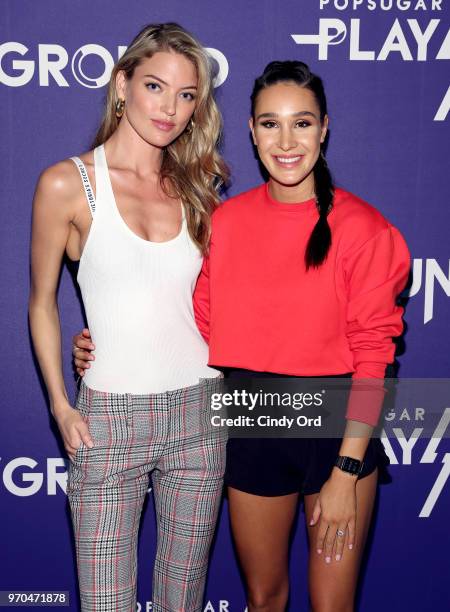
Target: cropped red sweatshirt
[260, 309]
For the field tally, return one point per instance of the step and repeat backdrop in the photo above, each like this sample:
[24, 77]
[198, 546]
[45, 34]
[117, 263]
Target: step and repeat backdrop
[385, 65]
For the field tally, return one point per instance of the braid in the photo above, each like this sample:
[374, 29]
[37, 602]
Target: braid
[319, 242]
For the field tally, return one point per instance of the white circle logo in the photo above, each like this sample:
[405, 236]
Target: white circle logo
[77, 68]
[222, 63]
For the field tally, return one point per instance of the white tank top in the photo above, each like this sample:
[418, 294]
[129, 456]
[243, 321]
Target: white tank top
[137, 296]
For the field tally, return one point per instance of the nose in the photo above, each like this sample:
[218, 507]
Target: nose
[287, 140]
[169, 104]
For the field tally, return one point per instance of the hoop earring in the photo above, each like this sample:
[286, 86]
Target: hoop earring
[190, 126]
[120, 107]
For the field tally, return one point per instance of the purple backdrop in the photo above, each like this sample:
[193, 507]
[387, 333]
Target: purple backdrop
[385, 68]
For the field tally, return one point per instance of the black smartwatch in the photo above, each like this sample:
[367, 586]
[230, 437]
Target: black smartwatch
[350, 465]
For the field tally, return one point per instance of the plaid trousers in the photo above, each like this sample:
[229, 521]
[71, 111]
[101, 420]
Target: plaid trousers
[169, 434]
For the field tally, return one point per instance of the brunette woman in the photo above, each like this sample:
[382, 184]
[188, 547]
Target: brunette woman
[315, 272]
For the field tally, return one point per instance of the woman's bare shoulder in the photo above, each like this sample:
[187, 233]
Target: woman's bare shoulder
[61, 182]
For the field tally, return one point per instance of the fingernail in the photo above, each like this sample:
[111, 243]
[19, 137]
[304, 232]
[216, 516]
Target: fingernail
[311, 522]
[338, 557]
[327, 559]
[350, 546]
[319, 550]
[91, 346]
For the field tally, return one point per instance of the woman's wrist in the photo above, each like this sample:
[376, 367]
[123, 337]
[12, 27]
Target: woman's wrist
[339, 475]
[59, 406]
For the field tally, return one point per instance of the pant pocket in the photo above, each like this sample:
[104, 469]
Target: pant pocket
[78, 452]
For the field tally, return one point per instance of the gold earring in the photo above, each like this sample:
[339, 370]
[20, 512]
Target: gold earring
[120, 107]
[190, 126]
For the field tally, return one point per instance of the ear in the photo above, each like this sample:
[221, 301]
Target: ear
[121, 84]
[252, 129]
[324, 129]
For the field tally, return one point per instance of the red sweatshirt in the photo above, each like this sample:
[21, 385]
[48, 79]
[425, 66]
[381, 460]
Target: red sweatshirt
[260, 309]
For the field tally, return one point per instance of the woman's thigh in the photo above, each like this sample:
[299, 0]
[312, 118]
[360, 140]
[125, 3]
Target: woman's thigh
[261, 529]
[332, 586]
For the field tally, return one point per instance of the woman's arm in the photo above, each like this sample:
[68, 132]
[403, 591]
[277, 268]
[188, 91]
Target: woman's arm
[375, 274]
[50, 231]
[53, 212]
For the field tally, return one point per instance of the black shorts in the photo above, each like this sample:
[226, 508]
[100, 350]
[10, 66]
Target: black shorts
[274, 466]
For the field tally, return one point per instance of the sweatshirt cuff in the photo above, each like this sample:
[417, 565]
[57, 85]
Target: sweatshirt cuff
[366, 397]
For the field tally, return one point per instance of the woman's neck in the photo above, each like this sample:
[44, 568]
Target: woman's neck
[126, 149]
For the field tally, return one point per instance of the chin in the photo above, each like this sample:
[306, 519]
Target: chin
[160, 140]
[287, 181]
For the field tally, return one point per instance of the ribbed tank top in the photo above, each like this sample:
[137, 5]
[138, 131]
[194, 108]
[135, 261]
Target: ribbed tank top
[137, 296]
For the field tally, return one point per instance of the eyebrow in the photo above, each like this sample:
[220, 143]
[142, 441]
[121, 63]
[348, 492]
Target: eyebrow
[299, 114]
[152, 76]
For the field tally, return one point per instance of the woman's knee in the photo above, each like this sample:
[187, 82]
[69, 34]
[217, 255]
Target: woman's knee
[268, 598]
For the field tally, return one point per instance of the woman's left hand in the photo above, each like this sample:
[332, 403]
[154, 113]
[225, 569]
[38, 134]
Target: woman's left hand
[335, 509]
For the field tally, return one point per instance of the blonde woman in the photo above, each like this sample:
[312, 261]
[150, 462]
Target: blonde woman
[135, 212]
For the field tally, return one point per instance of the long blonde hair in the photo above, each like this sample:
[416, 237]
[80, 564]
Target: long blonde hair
[192, 168]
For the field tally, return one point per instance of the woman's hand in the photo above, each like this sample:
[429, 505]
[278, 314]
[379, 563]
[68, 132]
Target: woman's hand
[336, 508]
[73, 428]
[81, 351]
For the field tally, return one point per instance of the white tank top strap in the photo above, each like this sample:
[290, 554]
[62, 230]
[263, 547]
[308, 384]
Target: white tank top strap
[86, 184]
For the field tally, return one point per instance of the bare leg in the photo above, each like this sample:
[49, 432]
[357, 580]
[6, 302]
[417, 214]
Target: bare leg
[261, 528]
[332, 586]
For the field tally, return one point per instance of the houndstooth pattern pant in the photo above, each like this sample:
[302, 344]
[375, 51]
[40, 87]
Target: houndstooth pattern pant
[170, 435]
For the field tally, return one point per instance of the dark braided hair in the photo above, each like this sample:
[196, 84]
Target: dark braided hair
[320, 240]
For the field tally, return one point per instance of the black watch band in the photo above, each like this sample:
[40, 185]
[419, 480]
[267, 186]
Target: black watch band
[349, 464]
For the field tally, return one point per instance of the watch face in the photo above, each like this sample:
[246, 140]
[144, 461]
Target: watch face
[348, 464]
[352, 465]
